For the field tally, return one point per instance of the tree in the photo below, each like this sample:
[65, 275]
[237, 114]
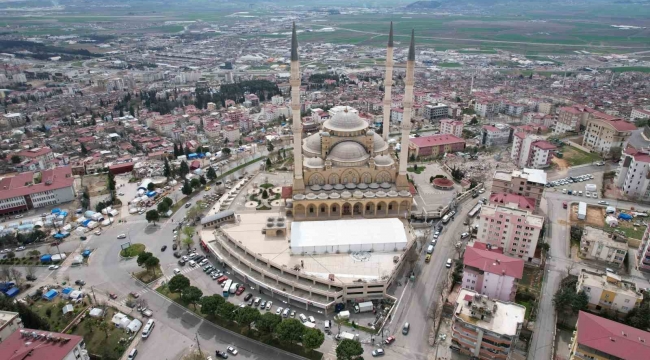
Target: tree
[312, 338]
[227, 311]
[226, 151]
[178, 283]
[195, 183]
[202, 180]
[248, 315]
[290, 330]
[103, 325]
[184, 169]
[175, 151]
[15, 159]
[11, 255]
[212, 174]
[615, 152]
[168, 201]
[84, 151]
[210, 304]
[162, 207]
[151, 187]
[187, 188]
[33, 253]
[639, 317]
[142, 258]
[192, 295]
[268, 163]
[30, 319]
[546, 247]
[151, 263]
[152, 215]
[348, 350]
[17, 276]
[111, 186]
[167, 172]
[188, 239]
[268, 322]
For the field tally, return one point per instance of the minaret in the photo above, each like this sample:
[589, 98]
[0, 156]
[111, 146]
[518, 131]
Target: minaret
[388, 84]
[298, 182]
[402, 182]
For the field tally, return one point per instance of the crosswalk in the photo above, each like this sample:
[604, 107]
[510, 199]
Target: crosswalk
[138, 294]
[186, 270]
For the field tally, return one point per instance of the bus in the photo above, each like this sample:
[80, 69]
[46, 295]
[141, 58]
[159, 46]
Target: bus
[226, 288]
[475, 210]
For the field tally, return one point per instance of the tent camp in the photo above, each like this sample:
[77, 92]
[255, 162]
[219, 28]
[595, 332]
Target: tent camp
[68, 308]
[76, 294]
[117, 319]
[96, 312]
[65, 293]
[50, 295]
[134, 325]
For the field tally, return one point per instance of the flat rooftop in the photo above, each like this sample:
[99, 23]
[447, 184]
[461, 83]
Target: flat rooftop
[610, 282]
[347, 268]
[504, 318]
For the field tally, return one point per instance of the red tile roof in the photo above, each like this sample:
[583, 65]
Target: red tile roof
[287, 192]
[613, 338]
[493, 262]
[524, 203]
[544, 145]
[436, 140]
[33, 153]
[16, 347]
[619, 124]
[52, 179]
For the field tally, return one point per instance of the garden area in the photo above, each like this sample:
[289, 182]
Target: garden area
[152, 268]
[572, 156]
[416, 169]
[52, 312]
[132, 251]
[103, 339]
[264, 196]
[289, 334]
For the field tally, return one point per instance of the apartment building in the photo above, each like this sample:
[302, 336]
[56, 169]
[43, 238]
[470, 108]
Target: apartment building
[396, 115]
[497, 134]
[42, 158]
[14, 119]
[24, 192]
[643, 260]
[544, 107]
[485, 107]
[513, 109]
[37, 344]
[435, 111]
[449, 126]
[9, 322]
[514, 230]
[485, 328]
[526, 182]
[598, 245]
[639, 114]
[491, 274]
[435, 145]
[231, 133]
[607, 292]
[570, 118]
[531, 151]
[605, 132]
[598, 338]
[633, 174]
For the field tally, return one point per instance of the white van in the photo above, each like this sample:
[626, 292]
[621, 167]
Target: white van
[328, 324]
[234, 287]
[148, 328]
[303, 318]
[285, 313]
[430, 249]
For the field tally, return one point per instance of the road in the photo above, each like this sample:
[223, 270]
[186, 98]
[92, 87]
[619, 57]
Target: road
[416, 300]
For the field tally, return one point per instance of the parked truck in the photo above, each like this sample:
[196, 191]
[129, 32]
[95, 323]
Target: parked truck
[582, 210]
[363, 307]
[590, 187]
[347, 335]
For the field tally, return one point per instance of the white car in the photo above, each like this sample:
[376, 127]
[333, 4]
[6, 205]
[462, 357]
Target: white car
[121, 236]
[98, 233]
[20, 248]
[278, 311]
[177, 271]
[268, 305]
[232, 350]
[192, 263]
[311, 319]
[18, 216]
[53, 267]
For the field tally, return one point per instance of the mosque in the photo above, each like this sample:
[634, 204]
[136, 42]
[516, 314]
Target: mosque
[347, 170]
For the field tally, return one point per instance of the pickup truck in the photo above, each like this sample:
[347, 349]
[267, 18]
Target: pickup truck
[146, 312]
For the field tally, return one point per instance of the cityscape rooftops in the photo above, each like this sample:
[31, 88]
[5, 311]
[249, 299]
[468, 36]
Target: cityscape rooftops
[436, 140]
[503, 318]
[612, 338]
[493, 262]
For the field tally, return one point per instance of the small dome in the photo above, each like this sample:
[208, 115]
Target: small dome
[348, 153]
[383, 160]
[370, 133]
[312, 146]
[324, 133]
[345, 121]
[314, 162]
[378, 143]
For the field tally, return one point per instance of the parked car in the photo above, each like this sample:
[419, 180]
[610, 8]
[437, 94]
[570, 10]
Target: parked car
[240, 290]
[112, 296]
[163, 248]
[121, 236]
[31, 277]
[192, 263]
[188, 205]
[134, 294]
[80, 282]
[248, 296]
[221, 354]
[378, 352]
[389, 340]
[181, 262]
[53, 267]
[97, 232]
[232, 350]
[174, 247]
[177, 271]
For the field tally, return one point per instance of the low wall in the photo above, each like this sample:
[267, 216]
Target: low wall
[578, 146]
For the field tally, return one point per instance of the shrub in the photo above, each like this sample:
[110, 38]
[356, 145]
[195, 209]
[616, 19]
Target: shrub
[48, 311]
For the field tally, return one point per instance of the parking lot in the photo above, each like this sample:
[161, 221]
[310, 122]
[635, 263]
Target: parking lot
[577, 185]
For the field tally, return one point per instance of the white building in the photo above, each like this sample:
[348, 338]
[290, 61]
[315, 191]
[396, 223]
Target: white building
[497, 134]
[531, 151]
[513, 230]
[632, 174]
[599, 245]
[23, 192]
[638, 114]
[454, 127]
[396, 115]
[277, 100]
[9, 322]
[435, 111]
[231, 133]
[608, 291]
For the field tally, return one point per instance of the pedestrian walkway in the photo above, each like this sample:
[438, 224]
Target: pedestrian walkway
[135, 293]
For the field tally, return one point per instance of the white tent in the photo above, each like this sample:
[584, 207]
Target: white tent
[612, 221]
[134, 325]
[124, 323]
[68, 308]
[96, 312]
[106, 222]
[117, 319]
[78, 259]
[76, 294]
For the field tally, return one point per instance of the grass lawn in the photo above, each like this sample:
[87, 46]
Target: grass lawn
[450, 65]
[56, 319]
[97, 343]
[419, 170]
[631, 231]
[147, 276]
[266, 186]
[575, 156]
[631, 68]
[531, 280]
[132, 251]
[528, 306]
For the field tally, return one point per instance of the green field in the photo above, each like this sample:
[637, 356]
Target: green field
[630, 69]
[575, 156]
[449, 65]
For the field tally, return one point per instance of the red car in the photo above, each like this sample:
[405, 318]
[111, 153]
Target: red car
[113, 296]
[389, 340]
[222, 279]
[240, 290]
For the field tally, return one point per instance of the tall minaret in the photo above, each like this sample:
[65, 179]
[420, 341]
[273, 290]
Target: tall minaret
[402, 182]
[388, 84]
[298, 182]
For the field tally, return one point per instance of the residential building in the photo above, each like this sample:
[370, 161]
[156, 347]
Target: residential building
[40, 157]
[497, 134]
[492, 274]
[526, 182]
[607, 292]
[643, 260]
[605, 132]
[435, 145]
[599, 338]
[544, 107]
[513, 109]
[513, 201]
[485, 107]
[9, 322]
[24, 192]
[396, 115]
[454, 127]
[633, 174]
[639, 114]
[40, 345]
[515, 231]
[435, 111]
[531, 151]
[609, 248]
[486, 328]
[277, 100]
[14, 119]
[570, 118]
[231, 133]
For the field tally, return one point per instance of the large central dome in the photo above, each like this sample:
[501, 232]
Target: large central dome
[345, 121]
[348, 153]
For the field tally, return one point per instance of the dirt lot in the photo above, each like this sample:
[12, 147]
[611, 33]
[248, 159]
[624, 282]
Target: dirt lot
[560, 163]
[96, 184]
[595, 216]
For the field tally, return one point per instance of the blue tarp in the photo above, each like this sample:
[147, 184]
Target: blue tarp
[46, 258]
[151, 193]
[86, 222]
[6, 286]
[192, 156]
[50, 294]
[56, 211]
[58, 236]
[12, 292]
[201, 155]
[63, 213]
[67, 291]
[625, 216]
[86, 253]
